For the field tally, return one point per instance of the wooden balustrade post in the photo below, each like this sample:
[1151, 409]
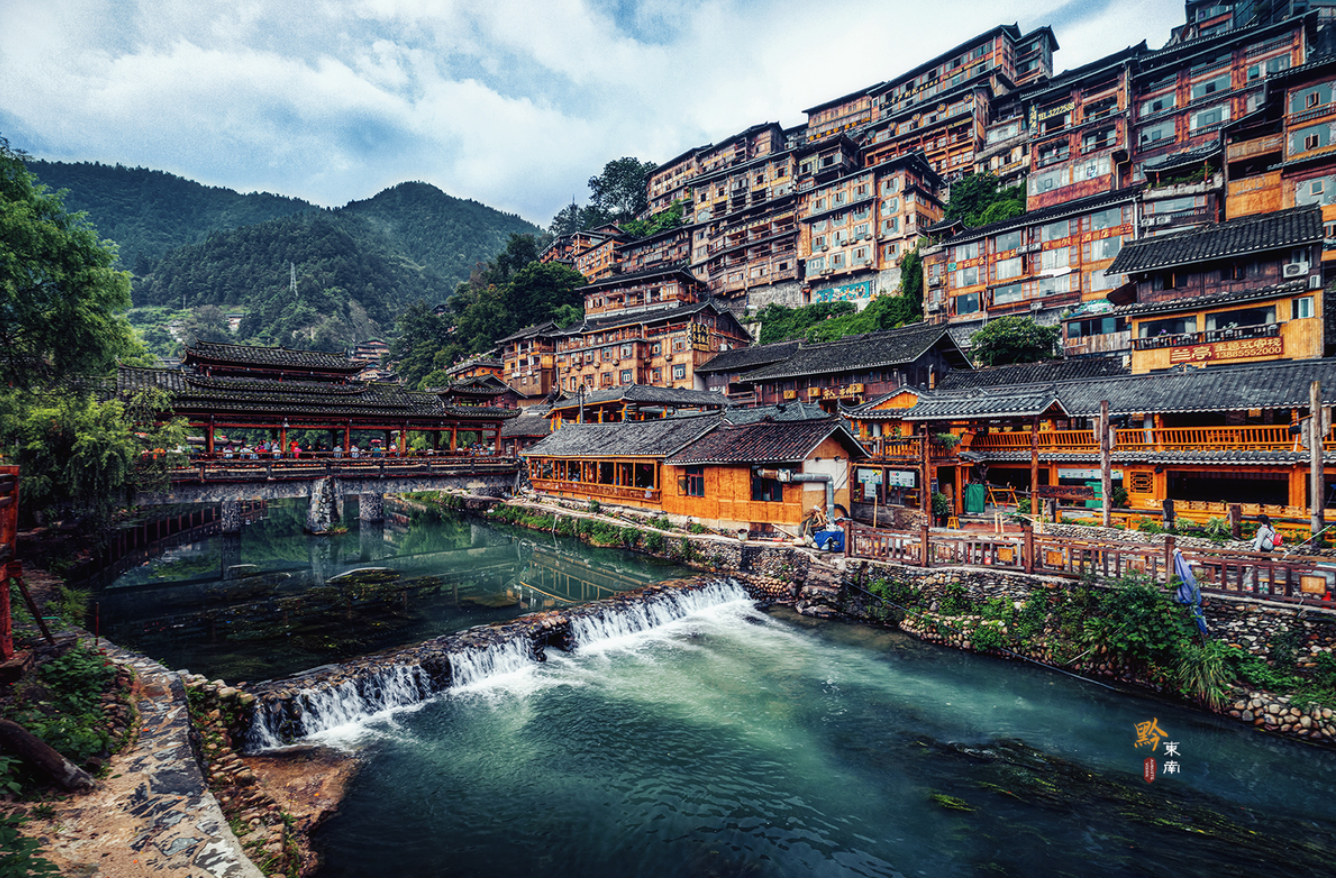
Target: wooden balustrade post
[1027, 546]
[1105, 465]
[1317, 484]
[1235, 513]
[925, 555]
[1168, 559]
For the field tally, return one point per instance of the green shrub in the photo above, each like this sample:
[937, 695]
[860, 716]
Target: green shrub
[655, 543]
[988, 636]
[1203, 672]
[697, 528]
[956, 600]
[630, 537]
[19, 854]
[594, 507]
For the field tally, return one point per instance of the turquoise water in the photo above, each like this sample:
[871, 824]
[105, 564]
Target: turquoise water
[274, 601]
[735, 742]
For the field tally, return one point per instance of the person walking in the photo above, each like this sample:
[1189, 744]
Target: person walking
[1265, 538]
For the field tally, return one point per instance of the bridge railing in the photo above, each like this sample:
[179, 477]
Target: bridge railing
[288, 469]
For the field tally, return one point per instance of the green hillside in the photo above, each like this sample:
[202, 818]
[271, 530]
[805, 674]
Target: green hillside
[447, 234]
[351, 283]
[148, 213]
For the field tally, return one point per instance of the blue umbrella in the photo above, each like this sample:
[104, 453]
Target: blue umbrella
[1188, 593]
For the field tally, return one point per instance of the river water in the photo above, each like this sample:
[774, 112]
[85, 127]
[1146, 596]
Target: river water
[736, 742]
[729, 742]
[273, 601]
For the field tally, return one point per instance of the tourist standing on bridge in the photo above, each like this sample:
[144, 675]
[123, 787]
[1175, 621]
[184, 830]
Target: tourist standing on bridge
[1265, 538]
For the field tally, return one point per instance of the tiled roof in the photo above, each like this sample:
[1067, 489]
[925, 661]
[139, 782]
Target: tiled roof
[765, 442]
[623, 318]
[1047, 214]
[1276, 385]
[745, 359]
[1183, 159]
[1008, 403]
[1029, 373]
[1238, 237]
[529, 331]
[1288, 288]
[644, 394]
[619, 279]
[785, 411]
[269, 357]
[529, 423]
[197, 394]
[891, 347]
[658, 438]
[486, 361]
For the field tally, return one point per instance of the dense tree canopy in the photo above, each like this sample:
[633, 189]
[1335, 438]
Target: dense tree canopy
[980, 199]
[62, 302]
[1013, 339]
[620, 189]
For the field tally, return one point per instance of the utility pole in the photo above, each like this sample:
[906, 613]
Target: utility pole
[1105, 465]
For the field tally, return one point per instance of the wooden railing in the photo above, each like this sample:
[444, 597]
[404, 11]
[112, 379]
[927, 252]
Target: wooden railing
[594, 489]
[285, 469]
[1255, 438]
[1218, 571]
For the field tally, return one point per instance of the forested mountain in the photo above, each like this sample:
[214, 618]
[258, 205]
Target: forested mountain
[195, 249]
[351, 283]
[447, 234]
[149, 212]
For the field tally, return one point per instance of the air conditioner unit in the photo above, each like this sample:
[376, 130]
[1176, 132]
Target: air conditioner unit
[1294, 269]
[1163, 220]
[1315, 282]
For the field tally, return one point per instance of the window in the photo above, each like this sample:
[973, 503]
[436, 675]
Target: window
[1089, 170]
[1009, 268]
[861, 231]
[1054, 231]
[1102, 281]
[1004, 132]
[694, 482]
[657, 348]
[1211, 86]
[818, 242]
[1094, 140]
[1156, 105]
[1096, 326]
[1008, 294]
[890, 205]
[657, 375]
[837, 261]
[967, 304]
[1309, 98]
[890, 225]
[1269, 67]
[1106, 219]
[767, 490]
[1054, 179]
[1167, 326]
[1241, 317]
[1319, 191]
[626, 376]
[1105, 248]
[816, 264]
[961, 252]
[1312, 137]
[862, 256]
[1049, 286]
[1301, 308]
[1208, 118]
[626, 350]
[679, 372]
[1007, 242]
[966, 277]
[1156, 133]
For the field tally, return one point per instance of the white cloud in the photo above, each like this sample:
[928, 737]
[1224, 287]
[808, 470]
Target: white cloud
[513, 103]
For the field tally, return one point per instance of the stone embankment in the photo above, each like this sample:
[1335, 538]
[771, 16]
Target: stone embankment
[1249, 623]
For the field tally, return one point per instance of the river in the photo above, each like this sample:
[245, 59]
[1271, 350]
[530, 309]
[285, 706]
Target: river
[736, 742]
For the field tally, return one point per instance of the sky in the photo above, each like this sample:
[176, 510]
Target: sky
[513, 104]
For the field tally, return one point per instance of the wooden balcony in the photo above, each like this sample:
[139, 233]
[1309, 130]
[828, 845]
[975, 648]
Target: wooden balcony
[1258, 438]
[1107, 343]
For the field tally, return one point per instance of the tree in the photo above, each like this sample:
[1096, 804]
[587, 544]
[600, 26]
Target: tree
[620, 189]
[979, 199]
[421, 336]
[1013, 340]
[206, 323]
[61, 303]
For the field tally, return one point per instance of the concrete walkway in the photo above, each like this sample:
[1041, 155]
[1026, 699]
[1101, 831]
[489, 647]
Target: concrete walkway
[153, 813]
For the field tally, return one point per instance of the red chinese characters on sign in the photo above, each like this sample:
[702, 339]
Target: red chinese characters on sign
[1228, 350]
[1148, 769]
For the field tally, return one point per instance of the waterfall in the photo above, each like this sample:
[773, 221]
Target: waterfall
[624, 619]
[473, 666]
[458, 660]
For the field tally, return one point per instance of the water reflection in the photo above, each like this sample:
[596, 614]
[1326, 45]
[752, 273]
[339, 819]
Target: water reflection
[274, 600]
